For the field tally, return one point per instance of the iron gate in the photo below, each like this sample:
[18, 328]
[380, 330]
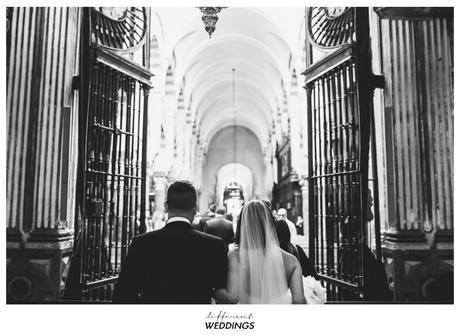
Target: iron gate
[339, 94]
[114, 92]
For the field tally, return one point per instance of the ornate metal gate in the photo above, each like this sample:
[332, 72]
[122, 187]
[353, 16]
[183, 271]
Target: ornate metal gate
[339, 92]
[113, 102]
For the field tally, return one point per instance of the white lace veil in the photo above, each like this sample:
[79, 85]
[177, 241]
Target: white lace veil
[261, 272]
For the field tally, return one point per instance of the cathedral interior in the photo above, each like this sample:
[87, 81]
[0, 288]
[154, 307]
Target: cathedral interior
[327, 112]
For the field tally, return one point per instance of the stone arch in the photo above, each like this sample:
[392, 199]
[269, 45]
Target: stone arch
[220, 153]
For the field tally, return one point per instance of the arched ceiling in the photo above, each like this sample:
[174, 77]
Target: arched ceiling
[247, 40]
[212, 125]
[222, 151]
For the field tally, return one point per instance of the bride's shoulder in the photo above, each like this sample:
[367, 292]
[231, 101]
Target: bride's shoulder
[289, 260]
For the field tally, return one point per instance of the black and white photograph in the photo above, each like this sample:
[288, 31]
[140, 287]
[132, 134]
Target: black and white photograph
[221, 157]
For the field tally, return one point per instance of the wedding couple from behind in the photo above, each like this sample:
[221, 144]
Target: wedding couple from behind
[178, 264]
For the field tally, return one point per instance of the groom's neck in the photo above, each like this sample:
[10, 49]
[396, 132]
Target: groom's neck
[180, 214]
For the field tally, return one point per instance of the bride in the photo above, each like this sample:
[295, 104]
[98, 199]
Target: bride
[260, 272]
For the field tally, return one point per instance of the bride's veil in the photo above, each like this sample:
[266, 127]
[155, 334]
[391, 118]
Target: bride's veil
[262, 276]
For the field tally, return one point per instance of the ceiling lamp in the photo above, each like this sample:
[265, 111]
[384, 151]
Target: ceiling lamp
[210, 18]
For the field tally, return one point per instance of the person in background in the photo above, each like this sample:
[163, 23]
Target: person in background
[212, 210]
[299, 225]
[284, 236]
[282, 215]
[229, 217]
[196, 219]
[209, 215]
[221, 227]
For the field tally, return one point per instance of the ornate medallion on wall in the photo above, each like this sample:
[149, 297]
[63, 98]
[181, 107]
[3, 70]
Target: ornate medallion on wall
[119, 28]
[331, 27]
[28, 279]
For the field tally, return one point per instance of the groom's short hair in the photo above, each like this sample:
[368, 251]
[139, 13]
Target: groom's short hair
[181, 195]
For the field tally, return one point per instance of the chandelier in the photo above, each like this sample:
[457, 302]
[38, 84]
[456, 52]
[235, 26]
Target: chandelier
[210, 18]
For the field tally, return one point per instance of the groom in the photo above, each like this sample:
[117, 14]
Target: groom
[176, 264]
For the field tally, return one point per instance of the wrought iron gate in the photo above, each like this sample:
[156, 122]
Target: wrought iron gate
[339, 92]
[112, 182]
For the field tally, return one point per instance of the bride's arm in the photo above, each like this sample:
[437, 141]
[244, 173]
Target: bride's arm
[230, 294]
[296, 285]
[232, 279]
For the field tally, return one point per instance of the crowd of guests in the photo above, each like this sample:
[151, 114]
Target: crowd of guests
[218, 223]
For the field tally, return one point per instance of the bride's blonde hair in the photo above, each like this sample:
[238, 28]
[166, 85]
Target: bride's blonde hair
[262, 274]
[262, 215]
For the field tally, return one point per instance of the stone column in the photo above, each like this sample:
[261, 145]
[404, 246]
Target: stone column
[153, 141]
[42, 120]
[416, 127]
[154, 125]
[295, 135]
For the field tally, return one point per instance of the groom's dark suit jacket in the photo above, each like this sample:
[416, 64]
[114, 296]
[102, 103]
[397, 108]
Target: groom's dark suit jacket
[175, 264]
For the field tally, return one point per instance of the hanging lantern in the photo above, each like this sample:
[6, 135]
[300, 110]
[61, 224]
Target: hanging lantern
[210, 18]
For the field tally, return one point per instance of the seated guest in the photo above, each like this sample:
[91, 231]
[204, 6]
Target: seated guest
[220, 227]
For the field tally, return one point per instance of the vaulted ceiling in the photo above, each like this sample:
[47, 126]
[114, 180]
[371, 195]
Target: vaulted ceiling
[257, 43]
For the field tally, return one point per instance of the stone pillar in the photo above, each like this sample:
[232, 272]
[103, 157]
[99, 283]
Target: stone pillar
[154, 126]
[153, 141]
[295, 135]
[416, 127]
[168, 111]
[42, 149]
[187, 139]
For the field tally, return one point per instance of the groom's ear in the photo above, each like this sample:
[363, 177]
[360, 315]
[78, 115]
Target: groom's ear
[166, 206]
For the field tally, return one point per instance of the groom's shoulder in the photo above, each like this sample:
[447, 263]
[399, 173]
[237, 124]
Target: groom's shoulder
[158, 238]
[158, 234]
[207, 238]
[204, 236]
[142, 238]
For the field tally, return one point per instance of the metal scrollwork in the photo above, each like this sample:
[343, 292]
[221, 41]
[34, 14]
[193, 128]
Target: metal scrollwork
[119, 28]
[331, 27]
[8, 18]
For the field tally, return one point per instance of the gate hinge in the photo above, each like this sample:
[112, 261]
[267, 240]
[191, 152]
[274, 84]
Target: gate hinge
[75, 83]
[378, 81]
